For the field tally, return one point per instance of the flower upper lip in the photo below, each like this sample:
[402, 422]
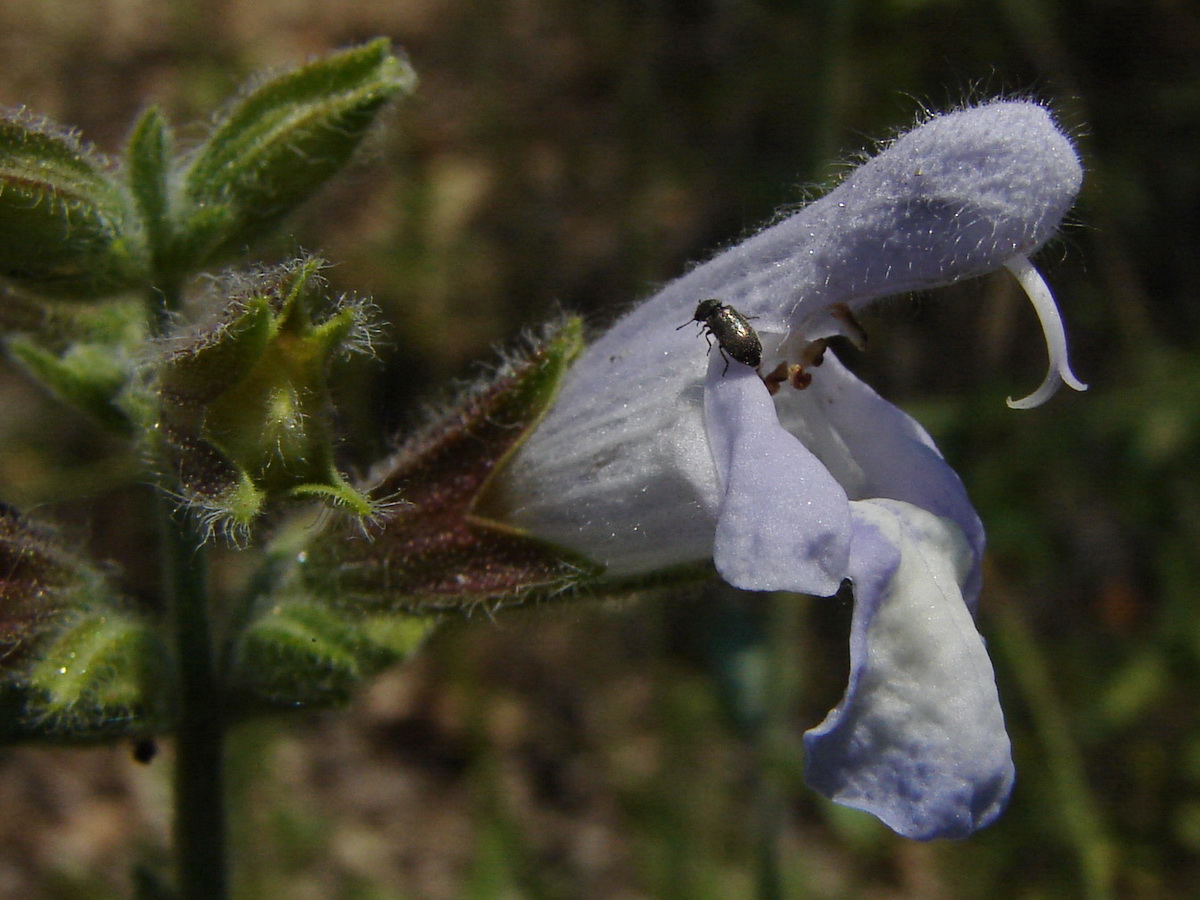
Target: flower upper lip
[964, 194]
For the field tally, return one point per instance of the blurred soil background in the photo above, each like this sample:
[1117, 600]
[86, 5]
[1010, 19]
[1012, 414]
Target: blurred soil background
[571, 155]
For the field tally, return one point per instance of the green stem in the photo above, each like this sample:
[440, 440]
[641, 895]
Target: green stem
[200, 801]
[199, 829]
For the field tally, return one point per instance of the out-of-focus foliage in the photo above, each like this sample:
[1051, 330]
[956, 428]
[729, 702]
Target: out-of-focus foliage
[575, 154]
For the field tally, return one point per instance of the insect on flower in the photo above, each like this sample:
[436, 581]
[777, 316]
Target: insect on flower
[733, 332]
[825, 481]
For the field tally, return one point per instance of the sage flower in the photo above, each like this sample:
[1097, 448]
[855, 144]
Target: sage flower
[796, 476]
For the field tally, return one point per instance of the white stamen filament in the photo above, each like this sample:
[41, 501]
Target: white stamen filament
[1059, 371]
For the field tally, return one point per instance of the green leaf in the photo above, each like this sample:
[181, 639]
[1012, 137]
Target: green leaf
[148, 170]
[63, 222]
[280, 143]
[86, 376]
[87, 358]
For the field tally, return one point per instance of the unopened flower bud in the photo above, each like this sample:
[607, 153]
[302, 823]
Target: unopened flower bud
[244, 405]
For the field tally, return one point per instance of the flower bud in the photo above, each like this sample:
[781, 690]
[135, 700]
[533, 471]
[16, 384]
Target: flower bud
[63, 222]
[244, 405]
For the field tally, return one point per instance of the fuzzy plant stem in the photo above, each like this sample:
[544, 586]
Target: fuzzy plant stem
[199, 833]
[199, 828]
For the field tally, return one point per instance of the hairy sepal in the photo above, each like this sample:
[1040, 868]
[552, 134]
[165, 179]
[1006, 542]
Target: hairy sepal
[440, 546]
[245, 405]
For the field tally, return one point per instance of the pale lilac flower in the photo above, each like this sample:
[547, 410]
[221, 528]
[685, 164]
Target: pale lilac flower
[654, 455]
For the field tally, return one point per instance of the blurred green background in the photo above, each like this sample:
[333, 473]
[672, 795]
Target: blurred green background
[571, 155]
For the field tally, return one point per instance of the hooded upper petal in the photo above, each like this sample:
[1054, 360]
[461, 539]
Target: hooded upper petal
[918, 740]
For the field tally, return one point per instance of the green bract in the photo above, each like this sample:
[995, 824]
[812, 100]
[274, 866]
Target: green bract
[101, 672]
[148, 173]
[64, 224]
[278, 145]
